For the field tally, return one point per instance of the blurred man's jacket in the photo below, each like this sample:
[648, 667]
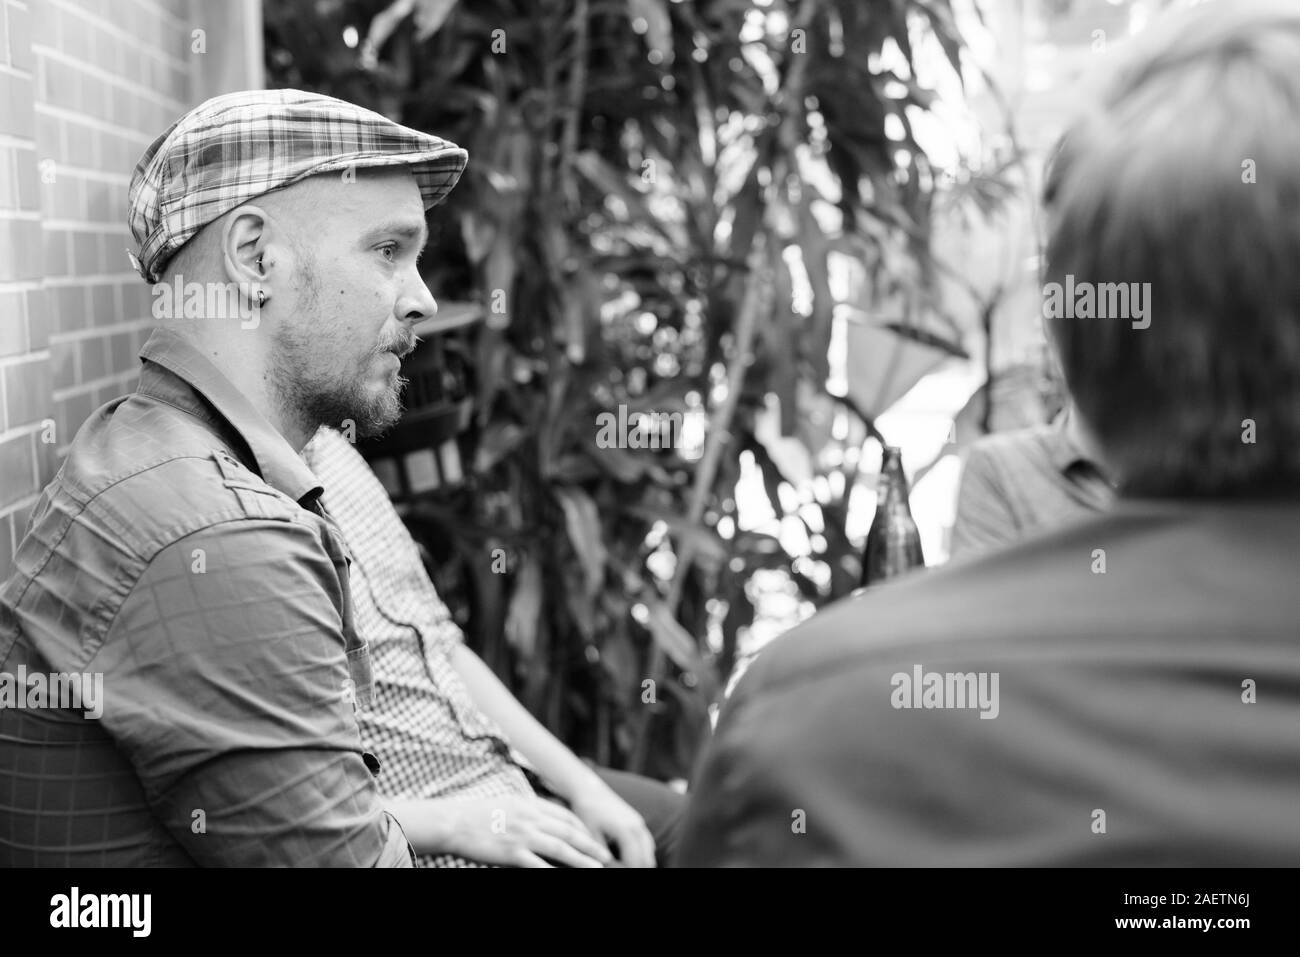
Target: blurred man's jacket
[1163, 693]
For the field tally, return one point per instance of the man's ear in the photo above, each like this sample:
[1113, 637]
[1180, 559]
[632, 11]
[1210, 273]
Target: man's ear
[246, 246]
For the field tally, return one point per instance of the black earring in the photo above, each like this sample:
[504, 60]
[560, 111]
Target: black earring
[261, 299]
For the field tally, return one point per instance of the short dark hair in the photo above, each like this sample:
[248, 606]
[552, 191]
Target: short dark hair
[1185, 174]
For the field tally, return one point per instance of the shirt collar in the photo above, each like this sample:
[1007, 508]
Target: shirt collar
[169, 357]
[1062, 450]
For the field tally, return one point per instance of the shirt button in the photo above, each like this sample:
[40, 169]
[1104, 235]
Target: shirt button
[372, 762]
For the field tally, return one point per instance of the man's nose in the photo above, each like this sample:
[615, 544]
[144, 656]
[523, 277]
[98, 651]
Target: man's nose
[416, 302]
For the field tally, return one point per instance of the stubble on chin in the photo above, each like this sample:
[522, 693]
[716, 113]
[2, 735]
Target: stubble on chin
[385, 411]
[372, 413]
[338, 404]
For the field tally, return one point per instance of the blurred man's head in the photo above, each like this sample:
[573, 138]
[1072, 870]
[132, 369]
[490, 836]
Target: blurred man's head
[1186, 176]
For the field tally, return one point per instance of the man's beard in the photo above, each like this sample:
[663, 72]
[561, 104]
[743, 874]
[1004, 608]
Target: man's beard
[340, 402]
[371, 413]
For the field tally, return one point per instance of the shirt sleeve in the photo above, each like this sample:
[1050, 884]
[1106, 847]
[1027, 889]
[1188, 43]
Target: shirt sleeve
[984, 519]
[226, 685]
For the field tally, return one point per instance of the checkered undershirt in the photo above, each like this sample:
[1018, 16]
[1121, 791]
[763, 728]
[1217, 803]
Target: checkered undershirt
[429, 736]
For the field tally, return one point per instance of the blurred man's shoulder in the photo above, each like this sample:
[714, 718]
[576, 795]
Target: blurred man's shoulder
[981, 601]
[1111, 583]
[932, 719]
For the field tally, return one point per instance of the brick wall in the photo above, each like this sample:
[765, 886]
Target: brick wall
[85, 86]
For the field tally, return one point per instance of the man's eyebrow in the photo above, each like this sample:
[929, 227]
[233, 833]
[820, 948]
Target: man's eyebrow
[405, 229]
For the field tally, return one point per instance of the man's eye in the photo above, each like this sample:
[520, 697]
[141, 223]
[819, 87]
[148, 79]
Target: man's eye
[388, 251]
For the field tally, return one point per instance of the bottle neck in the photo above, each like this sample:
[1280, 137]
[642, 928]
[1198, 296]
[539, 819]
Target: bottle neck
[892, 487]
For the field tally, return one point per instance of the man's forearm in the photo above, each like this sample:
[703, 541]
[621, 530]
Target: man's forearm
[563, 771]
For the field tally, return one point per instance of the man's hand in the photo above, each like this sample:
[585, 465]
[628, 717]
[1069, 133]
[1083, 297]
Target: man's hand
[615, 821]
[515, 832]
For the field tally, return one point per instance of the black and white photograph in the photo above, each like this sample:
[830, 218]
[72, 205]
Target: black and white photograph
[696, 435]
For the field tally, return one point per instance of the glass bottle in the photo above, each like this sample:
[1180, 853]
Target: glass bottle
[893, 542]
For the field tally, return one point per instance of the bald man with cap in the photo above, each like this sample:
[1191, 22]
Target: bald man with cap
[180, 585]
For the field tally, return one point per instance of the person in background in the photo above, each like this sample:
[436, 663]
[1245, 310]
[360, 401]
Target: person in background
[1122, 691]
[472, 776]
[1030, 480]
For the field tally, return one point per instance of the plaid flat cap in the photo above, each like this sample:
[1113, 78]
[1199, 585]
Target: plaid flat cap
[234, 147]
